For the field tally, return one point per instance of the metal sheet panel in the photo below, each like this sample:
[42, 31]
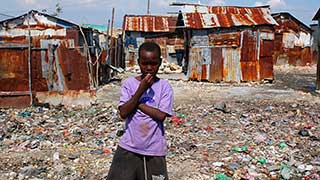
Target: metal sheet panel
[20, 101]
[206, 61]
[14, 70]
[265, 60]
[299, 56]
[199, 38]
[149, 23]
[216, 67]
[231, 65]
[224, 39]
[249, 64]
[195, 64]
[219, 16]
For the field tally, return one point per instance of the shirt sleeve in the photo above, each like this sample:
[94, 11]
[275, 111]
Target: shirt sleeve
[166, 102]
[124, 94]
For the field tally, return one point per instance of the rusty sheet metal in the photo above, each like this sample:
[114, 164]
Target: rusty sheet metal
[14, 70]
[162, 42]
[68, 98]
[10, 101]
[216, 67]
[195, 65]
[40, 25]
[150, 23]
[74, 68]
[231, 64]
[199, 38]
[299, 56]
[290, 40]
[288, 51]
[225, 39]
[288, 23]
[220, 16]
[206, 62]
[265, 60]
[178, 43]
[60, 69]
[249, 64]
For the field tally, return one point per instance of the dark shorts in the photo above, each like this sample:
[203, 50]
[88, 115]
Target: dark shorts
[127, 165]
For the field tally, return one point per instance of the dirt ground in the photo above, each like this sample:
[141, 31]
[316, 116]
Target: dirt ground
[239, 130]
[291, 83]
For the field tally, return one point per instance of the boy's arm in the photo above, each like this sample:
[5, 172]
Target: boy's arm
[164, 108]
[131, 105]
[154, 113]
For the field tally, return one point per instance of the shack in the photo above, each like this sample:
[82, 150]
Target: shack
[228, 43]
[157, 28]
[293, 40]
[317, 18]
[42, 53]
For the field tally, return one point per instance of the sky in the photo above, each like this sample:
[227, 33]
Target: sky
[100, 11]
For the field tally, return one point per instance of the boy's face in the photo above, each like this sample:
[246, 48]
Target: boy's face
[149, 62]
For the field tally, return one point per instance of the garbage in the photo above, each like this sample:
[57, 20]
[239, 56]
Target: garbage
[24, 114]
[242, 149]
[218, 131]
[283, 145]
[222, 177]
[304, 132]
[285, 172]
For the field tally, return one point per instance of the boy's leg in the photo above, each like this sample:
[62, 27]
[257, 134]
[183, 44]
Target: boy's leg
[157, 168]
[124, 165]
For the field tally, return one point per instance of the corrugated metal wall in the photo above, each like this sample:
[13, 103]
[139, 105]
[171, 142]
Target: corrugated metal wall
[292, 42]
[231, 56]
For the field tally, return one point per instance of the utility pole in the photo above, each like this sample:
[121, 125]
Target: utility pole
[148, 8]
[30, 60]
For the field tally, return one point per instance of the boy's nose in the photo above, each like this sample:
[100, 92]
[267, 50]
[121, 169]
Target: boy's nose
[149, 67]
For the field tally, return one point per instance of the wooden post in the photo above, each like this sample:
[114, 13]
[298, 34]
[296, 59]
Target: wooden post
[148, 8]
[112, 20]
[318, 69]
[112, 60]
[30, 63]
[318, 61]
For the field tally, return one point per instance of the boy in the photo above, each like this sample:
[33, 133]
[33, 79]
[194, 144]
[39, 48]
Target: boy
[145, 102]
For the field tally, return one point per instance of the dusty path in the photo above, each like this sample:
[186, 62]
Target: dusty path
[291, 83]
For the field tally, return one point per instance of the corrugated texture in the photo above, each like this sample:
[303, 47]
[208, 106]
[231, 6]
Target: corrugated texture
[225, 39]
[20, 101]
[149, 23]
[57, 64]
[249, 65]
[265, 60]
[216, 67]
[224, 17]
[235, 56]
[195, 66]
[231, 66]
[199, 38]
[292, 41]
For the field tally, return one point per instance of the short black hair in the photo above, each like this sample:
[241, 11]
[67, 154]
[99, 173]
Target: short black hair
[150, 46]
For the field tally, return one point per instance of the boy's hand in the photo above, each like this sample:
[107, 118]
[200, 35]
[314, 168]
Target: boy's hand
[147, 81]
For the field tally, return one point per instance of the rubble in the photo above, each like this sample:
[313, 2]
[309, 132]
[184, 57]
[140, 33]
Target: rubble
[219, 131]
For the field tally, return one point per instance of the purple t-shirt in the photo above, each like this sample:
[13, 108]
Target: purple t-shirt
[143, 135]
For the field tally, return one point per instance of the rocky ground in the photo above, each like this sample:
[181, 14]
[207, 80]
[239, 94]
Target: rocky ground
[220, 131]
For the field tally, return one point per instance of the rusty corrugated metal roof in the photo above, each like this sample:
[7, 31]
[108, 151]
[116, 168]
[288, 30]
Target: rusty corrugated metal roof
[149, 23]
[227, 16]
